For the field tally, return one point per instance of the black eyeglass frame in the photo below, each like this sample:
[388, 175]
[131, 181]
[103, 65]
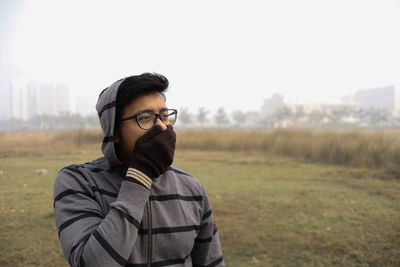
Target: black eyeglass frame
[157, 115]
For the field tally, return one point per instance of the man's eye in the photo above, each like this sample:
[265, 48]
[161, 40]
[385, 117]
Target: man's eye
[144, 118]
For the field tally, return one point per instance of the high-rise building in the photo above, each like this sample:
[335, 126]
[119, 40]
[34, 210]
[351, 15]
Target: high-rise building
[5, 105]
[379, 98]
[62, 99]
[30, 99]
[52, 100]
[23, 100]
[271, 105]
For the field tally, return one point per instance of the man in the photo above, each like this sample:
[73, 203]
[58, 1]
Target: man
[132, 207]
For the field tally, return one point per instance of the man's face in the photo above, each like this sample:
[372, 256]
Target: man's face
[130, 130]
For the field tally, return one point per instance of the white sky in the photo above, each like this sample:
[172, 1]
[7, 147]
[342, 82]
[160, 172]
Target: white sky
[232, 54]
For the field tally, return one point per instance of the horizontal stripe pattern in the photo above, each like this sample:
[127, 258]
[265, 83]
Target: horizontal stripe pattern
[96, 182]
[206, 215]
[130, 219]
[73, 192]
[71, 221]
[114, 238]
[170, 230]
[212, 264]
[104, 192]
[120, 169]
[159, 263]
[115, 195]
[107, 106]
[203, 240]
[206, 240]
[175, 197]
[70, 192]
[114, 254]
[108, 139]
[103, 91]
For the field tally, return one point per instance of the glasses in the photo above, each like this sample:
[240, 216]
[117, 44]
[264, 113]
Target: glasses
[147, 119]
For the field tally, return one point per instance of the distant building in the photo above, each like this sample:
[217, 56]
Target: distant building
[62, 99]
[52, 100]
[5, 103]
[271, 105]
[29, 99]
[379, 98]
[23, 102]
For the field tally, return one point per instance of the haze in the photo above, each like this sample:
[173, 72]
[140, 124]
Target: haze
[231, 54]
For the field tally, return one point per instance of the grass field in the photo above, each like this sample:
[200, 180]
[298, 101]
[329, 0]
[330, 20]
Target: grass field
[270, 210]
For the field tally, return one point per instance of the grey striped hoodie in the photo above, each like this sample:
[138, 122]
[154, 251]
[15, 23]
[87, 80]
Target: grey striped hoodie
[103, 220]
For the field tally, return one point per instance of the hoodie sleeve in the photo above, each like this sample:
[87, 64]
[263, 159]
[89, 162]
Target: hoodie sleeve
[207, 247]
[88, 237]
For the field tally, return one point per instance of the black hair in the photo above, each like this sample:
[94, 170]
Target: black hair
[134, 86]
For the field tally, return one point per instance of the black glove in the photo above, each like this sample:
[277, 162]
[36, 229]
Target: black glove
[152, 155]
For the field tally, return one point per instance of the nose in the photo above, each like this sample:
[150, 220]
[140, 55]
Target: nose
[162, 125]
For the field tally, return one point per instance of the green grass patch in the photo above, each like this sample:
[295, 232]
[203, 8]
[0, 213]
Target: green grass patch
[270, 211]
[280, 212]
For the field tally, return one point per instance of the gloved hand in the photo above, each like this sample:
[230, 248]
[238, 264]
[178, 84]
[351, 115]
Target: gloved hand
[152, 154]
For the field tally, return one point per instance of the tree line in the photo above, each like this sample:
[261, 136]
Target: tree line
[285, 117]
[291, 117]
[63, 121]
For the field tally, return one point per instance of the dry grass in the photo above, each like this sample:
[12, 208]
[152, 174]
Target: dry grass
[370, 149]
[271, 210]
[48, 143]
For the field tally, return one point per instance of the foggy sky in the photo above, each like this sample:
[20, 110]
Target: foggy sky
[232, 54]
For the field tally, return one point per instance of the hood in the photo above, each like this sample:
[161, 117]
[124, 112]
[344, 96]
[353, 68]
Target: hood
[106, 110]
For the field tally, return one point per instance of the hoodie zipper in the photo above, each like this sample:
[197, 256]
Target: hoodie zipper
[149, 243]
